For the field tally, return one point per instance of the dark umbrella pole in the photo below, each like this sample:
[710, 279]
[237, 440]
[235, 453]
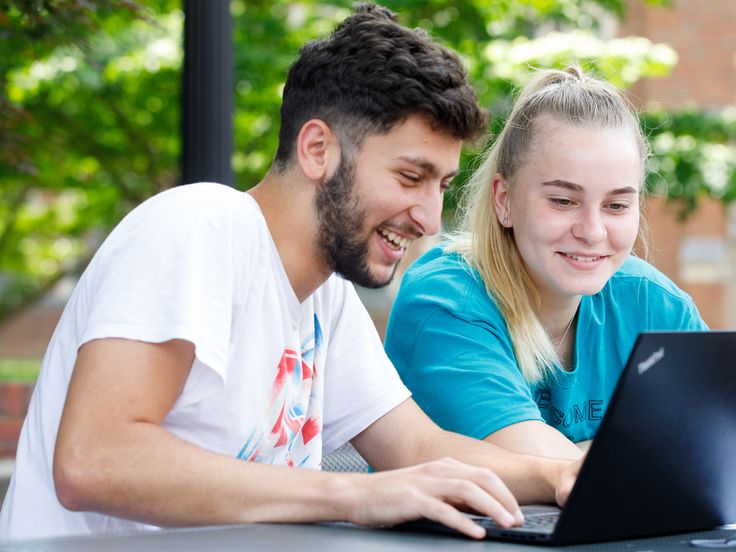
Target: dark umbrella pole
[207, 93]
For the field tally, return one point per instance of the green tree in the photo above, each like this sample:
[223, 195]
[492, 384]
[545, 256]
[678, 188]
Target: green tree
[693, 156]
[89, 124]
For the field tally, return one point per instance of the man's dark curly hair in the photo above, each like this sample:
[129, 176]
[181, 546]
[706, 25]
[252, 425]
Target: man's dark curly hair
[370, 75]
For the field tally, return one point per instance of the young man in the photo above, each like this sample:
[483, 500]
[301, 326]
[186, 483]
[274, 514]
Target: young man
[214, 340]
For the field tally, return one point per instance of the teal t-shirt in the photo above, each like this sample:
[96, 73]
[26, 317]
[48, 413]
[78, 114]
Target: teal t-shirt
[449, 342]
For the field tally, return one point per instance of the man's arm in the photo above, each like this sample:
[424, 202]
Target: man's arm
[406, 436]
[112, 456]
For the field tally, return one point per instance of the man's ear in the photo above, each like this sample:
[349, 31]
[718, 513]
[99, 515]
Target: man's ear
[500, 192]
[317, 150]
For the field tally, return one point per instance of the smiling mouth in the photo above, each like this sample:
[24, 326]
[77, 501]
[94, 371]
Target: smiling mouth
[393, 240]
[582, 259]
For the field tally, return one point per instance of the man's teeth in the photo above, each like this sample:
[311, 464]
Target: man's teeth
[394, 239]
[583, 259]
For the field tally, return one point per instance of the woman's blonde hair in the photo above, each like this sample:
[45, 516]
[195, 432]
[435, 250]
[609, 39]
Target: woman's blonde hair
[568, 96]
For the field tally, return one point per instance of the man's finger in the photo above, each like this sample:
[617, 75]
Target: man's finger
[468, 493]
[441, 512]
[493, 485]
[486, 480]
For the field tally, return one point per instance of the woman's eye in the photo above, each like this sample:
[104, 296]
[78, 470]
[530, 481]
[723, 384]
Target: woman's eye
[618, 206]
[561, 202]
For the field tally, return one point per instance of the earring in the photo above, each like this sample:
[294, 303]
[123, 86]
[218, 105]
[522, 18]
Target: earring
[505, 221]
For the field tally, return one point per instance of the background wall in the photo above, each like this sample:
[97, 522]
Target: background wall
[697, 253]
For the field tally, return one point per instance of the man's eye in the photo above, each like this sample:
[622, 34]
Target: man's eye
[410, 176]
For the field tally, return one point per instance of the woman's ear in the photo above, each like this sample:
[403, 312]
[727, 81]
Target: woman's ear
[317, 150]
[500, 192]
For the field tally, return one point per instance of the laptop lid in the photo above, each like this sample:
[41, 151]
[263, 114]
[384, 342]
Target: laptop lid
[664, 458]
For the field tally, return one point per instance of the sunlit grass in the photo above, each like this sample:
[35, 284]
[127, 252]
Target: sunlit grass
[19, 370]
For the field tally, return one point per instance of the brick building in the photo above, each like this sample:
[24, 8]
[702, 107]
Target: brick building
[700, 255]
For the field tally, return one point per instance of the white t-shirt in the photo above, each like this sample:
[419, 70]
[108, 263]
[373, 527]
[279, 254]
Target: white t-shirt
[273, 381]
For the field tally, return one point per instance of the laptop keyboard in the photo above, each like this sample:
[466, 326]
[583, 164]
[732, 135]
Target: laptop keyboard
[541, 521]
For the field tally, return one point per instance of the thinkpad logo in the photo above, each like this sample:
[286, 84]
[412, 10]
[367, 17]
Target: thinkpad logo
[653, 359]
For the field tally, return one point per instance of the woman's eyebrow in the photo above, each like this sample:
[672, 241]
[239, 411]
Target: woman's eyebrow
[578, 188]
[624, 190]
[563, 184]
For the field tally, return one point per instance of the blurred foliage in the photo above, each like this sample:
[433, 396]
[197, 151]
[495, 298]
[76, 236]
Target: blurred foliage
[19, 370]
[89, 104]
[88, 128]
[693, 155]
[31, 30]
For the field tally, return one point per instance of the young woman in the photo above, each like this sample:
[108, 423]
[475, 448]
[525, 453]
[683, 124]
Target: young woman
[517, 329]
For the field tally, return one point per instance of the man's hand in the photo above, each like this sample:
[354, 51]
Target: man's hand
[435, 490]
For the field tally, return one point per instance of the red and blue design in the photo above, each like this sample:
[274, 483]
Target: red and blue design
[294, 413]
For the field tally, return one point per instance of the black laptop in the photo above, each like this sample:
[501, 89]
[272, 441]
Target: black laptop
[664, 458]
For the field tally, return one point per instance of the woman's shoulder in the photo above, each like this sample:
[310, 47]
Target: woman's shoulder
[442, 275]
[440, 266]
[438, 260]
[638, 274]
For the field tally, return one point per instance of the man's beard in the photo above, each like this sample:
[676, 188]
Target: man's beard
[341, 219]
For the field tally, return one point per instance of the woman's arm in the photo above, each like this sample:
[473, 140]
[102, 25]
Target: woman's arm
[537, 438]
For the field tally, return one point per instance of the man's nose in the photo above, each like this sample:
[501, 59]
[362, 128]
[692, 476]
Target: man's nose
[427, 212]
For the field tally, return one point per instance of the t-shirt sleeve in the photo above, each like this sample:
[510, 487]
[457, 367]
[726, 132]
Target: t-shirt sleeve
[361, 384]
[167, 272]
[676, 312]
[650, 300]
[450, 345]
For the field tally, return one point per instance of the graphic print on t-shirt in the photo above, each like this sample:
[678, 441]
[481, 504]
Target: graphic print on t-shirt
[571, 415]
[294, 410]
